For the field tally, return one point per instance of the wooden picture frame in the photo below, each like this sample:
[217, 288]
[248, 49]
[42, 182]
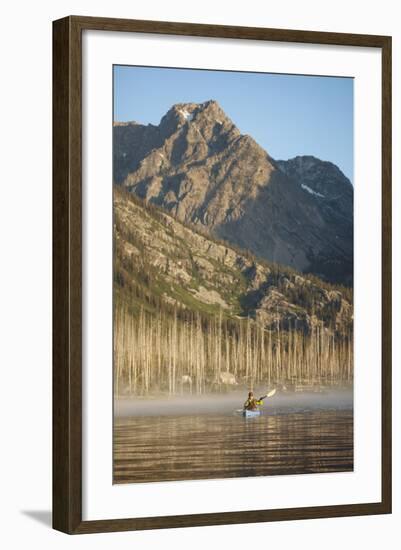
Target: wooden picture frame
[67, 273]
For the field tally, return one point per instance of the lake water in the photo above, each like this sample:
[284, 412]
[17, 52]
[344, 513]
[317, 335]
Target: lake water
[226, 445]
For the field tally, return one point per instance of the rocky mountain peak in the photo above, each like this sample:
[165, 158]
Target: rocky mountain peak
[198, 166]
[206, 114]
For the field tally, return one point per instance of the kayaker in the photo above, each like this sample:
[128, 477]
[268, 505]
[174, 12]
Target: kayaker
[251, 404]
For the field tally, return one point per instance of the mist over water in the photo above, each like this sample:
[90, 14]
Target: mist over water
[228, 403]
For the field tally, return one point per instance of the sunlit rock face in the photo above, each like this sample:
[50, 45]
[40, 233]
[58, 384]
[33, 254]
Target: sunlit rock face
[190, 270]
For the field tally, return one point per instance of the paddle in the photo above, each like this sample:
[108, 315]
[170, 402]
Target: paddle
[270, 394]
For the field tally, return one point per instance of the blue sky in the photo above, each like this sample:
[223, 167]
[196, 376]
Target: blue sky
[288, 115]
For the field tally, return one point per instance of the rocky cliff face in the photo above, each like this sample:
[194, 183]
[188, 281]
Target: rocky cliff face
[199, 167]
[184, 268]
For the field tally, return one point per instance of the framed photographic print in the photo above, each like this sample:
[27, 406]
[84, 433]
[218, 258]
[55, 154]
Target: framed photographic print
[222, 275]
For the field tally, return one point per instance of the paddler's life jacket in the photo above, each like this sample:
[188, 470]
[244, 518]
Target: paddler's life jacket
[251, 404]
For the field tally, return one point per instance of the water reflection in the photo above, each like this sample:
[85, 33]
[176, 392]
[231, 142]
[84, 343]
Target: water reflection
[224, 446]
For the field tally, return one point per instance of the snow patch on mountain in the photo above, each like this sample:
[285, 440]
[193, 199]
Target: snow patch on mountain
[311, 191]
[188, 116]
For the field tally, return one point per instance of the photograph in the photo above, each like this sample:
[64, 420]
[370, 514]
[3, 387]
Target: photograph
[233, 260]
